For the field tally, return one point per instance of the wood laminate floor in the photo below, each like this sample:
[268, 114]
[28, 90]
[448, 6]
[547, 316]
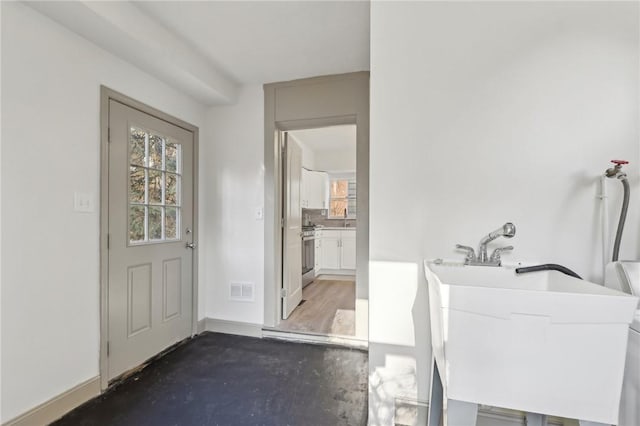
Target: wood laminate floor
[329, 308]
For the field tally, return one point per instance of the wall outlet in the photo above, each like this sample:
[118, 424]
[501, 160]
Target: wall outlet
[83, 202]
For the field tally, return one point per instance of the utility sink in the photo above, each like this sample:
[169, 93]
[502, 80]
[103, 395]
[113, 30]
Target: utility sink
[541, 342]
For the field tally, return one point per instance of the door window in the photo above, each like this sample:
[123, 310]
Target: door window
[155, 168]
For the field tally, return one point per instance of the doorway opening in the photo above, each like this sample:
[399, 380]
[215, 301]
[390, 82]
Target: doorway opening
[319, 206]
[313, 103]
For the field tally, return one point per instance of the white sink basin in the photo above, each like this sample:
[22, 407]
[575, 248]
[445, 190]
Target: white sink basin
[541, 342]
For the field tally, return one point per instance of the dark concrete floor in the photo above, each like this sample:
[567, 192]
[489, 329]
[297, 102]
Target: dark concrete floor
[219, 379]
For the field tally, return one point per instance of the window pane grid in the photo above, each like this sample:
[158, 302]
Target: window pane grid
[342, 198]
[154, 188]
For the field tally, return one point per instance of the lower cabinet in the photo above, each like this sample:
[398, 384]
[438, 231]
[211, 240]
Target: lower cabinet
[348, 250]
[338, 250]
[330, 249]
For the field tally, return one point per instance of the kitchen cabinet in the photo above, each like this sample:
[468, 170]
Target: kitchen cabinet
[314, 189]
[304, 188]
[338, 250]
[330, 249]
[348, 250]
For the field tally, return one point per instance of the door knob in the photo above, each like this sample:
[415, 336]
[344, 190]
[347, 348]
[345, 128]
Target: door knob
[191, 245]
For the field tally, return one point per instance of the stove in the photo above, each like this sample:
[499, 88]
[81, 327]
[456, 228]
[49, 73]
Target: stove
[308, 255]
[308, 231]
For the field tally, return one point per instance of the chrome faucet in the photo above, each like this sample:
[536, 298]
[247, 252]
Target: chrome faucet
[508, 230]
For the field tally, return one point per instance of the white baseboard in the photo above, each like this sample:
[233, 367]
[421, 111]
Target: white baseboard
[201, 326]
[411, 411]
[336, 272]
[58, 406]
[257, 330]
[232, 327]
[318, 339]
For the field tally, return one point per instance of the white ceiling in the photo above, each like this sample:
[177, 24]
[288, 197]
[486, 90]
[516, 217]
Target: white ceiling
[209, 48]
[269, 41]
[334, 138]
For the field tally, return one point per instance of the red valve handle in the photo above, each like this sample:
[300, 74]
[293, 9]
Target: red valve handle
[619, 162]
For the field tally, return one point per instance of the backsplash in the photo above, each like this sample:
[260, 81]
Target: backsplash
[319, 217]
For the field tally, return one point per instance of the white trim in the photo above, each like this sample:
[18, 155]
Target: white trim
[341, 272]
[496, 415]
[59, 405]
[201, 326]
[257, 330]
[318, 339]
[343, 276]
[233, 327]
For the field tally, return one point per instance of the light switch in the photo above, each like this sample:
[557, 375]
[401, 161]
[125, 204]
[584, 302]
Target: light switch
[83, 202]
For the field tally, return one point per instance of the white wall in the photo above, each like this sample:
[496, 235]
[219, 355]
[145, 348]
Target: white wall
[50, 131]
[483, 113]
[234, 241]
[338, 160]
[308, 156]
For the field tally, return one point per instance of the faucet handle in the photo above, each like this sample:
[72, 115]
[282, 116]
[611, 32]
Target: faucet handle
[495, 256]
[471, 253]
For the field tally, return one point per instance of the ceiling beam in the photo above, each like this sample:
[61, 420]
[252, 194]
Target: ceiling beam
[127, 32]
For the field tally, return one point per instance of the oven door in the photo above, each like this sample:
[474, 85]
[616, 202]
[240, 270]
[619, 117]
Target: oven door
[308, 260]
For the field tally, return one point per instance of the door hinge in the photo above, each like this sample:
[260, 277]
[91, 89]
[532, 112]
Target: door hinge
[108, 134]
[282, 222]
[108, 351]
[283, 292]
[108, 241]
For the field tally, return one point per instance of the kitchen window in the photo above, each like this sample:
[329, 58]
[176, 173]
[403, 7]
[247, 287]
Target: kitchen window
[342, 198]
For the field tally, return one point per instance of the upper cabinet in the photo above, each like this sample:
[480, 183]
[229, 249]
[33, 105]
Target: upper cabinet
[315, 187]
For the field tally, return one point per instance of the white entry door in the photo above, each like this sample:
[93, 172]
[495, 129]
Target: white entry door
[150, 236]
[292, 259]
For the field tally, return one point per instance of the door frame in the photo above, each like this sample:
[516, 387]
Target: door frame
[303, 104]
[281, 128]
[107, 95]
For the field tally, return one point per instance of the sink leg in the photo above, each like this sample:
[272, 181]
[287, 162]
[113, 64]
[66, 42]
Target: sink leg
[436, 396]
[456, 413]
[535, 419]
[460, 413]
